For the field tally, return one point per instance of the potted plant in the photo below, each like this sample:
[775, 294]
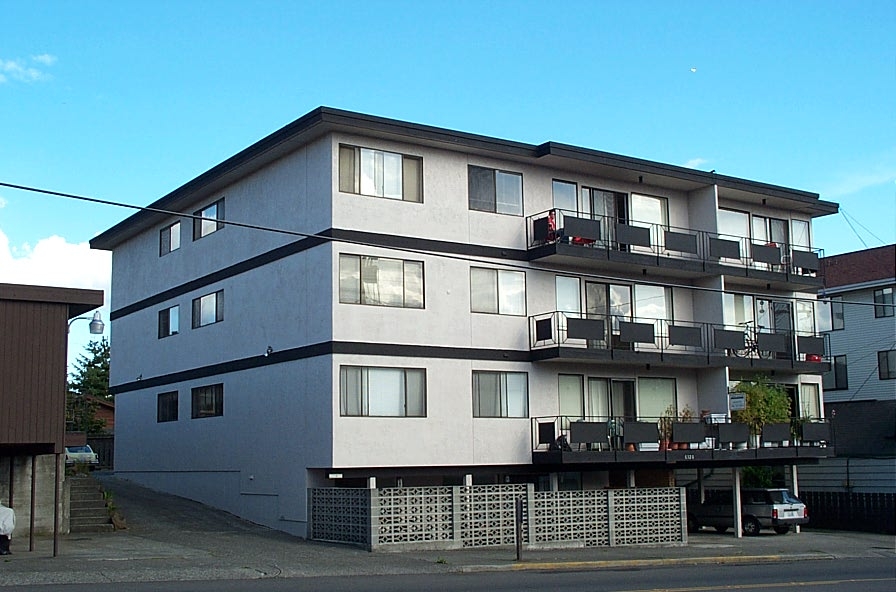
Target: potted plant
[796, 426]
[765, 403]
[665, 425]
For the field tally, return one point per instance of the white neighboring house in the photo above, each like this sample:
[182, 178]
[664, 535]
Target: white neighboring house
[437, 307]
[860, 389]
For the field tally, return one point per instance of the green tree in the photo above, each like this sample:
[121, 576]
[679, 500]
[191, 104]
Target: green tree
[765, 403]
[89, 381]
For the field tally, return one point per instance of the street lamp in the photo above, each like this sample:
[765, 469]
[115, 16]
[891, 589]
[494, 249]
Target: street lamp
[97, 326]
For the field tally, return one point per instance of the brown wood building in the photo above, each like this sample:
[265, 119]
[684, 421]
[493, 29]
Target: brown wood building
[34, 322]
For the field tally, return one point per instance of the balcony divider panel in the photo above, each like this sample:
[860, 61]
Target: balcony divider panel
[585, 329]
[679, 335]
[544, 330]
[767, 254]
[810, 345]
[776, 342]
[728, 339]
[583, 228]
[636, 332]
[640, 432]
[679, 241]
[588, 432]
[733, 433]
[776, 432]
[632, 235]
[541, 229]
[805, 259]
[688, 431]
[719, 247]
[816, 431]
[546, 433]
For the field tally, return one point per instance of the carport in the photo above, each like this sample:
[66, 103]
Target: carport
[33, 364]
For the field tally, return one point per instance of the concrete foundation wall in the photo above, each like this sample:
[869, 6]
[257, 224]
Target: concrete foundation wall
[20, 491]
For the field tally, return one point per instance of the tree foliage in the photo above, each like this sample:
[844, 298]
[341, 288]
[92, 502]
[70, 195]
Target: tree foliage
[765, 403]
[88, 382]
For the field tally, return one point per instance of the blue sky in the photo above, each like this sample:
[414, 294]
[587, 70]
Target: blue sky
[126, 101]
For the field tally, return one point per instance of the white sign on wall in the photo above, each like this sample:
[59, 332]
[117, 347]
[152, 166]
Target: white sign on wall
[737, 401]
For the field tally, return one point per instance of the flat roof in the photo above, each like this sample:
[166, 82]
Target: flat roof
[860, 267]
[325, 120]
[79, 300]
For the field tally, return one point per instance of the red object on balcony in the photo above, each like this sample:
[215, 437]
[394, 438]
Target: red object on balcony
[813, 358]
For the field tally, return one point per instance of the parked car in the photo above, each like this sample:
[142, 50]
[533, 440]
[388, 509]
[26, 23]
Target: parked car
[81, 455]
[777, 509]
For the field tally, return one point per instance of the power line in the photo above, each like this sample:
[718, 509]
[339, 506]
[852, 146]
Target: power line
[848, 215]
[873, 370]
[467, 259]
[851, 227]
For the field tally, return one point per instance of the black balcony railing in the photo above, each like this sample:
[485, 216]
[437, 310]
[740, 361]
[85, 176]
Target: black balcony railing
[714, 432]
[647, 335]
[592, 231]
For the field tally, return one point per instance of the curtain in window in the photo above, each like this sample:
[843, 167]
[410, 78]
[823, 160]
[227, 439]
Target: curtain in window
[572, 399]
[483, 293]
[500, 394]
[598, 398]
[809, 401]
[655, 395]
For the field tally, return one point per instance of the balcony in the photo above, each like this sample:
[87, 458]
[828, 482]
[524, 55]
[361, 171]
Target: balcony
[713, 441]
[570, 238]
[560, 336]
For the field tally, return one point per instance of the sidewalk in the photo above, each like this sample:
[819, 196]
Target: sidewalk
[170, 538]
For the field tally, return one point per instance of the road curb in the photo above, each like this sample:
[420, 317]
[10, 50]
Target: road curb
[634, 563]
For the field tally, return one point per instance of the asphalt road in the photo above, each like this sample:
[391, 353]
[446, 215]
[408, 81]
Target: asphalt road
[873, 575]
[177, 544]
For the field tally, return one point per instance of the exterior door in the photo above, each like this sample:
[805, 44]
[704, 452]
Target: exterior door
[622, 399]
[602, 205]
[775, 316]
[610, 302]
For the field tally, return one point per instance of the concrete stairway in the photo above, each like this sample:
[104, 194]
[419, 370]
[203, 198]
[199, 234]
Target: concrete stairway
[87, 508]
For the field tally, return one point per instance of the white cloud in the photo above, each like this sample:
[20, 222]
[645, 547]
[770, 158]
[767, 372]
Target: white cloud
[45, 59]
[3, 202]
[851, 183]
[24, 71]
[53, 261]
[695, 163]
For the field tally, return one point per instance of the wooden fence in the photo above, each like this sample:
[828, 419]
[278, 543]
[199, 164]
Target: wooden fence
[866, 512]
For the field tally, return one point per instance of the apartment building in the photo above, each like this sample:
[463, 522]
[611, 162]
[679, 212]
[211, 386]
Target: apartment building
[356, 300]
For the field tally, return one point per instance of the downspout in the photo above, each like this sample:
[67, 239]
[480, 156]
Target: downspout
[33, 501]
